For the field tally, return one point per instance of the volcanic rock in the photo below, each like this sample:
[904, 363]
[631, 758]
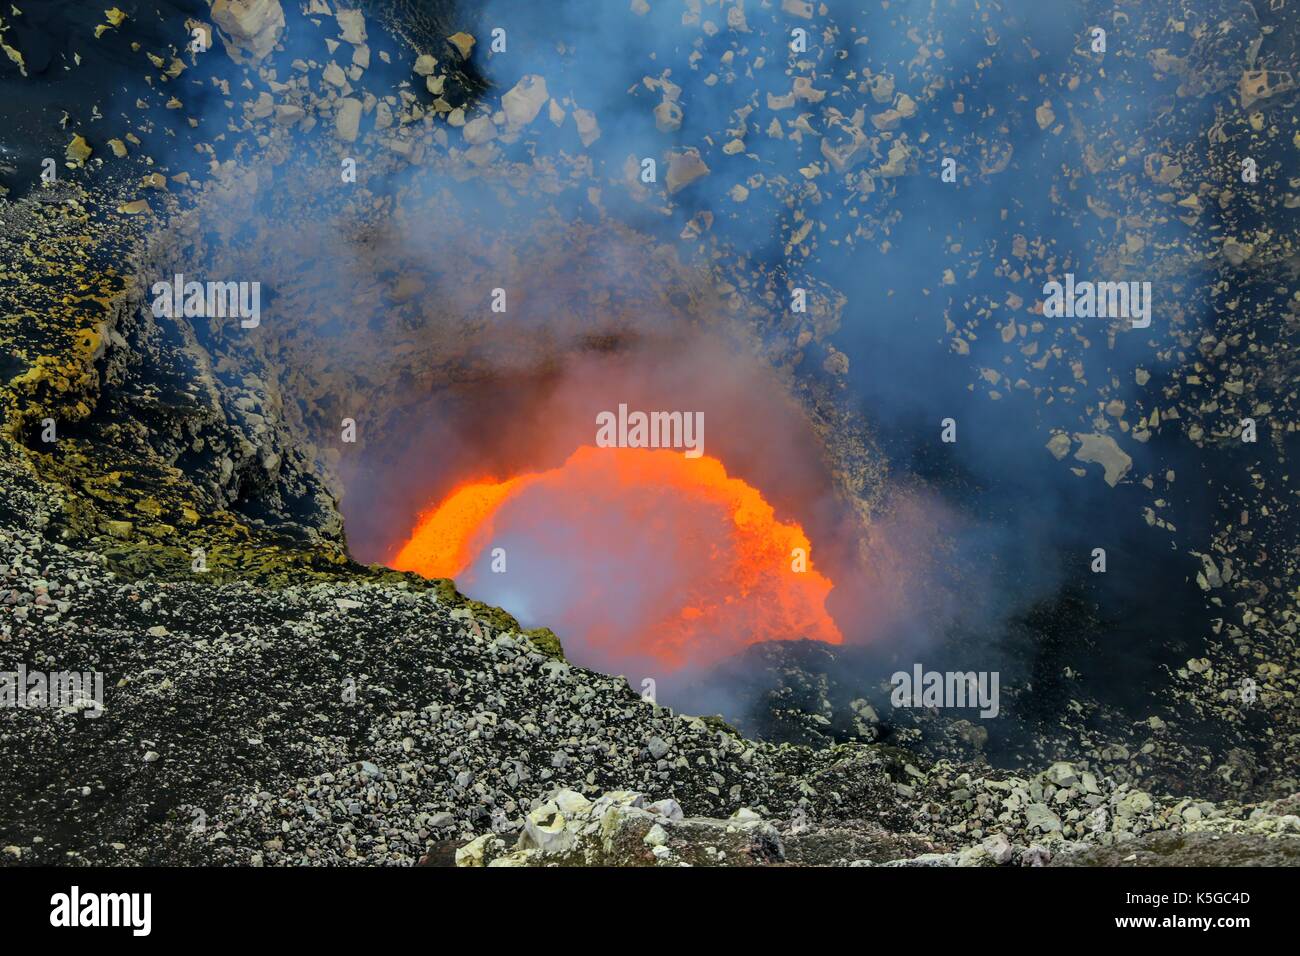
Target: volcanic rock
[525, 100]
[588, 128]
[347, 121]
[479, 130]
[352, 26]
[668, 117]
[1105, 451]
[334, 75]
[249, 28]
[684, 168]
[463, 43]
[620, 829]
[79, 150]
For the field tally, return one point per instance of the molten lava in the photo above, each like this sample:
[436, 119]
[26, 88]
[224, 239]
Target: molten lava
[647, 556]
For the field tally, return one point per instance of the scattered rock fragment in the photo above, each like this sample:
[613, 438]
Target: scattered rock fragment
[462, 43]
[79, 150]
[684, 167]
[249, 29]
[525, 100]
[347, 119]
[1105, 451]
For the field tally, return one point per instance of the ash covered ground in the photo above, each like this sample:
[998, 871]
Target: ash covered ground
[180, 514]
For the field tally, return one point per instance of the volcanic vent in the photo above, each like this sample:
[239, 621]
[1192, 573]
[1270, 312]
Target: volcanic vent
[461, 442]
[648, 561]
[678, 562]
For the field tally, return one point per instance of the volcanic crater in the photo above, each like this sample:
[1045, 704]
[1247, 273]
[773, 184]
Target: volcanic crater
[368, 588]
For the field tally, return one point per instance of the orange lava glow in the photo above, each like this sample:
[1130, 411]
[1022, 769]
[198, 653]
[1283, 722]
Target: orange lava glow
[711, 544]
